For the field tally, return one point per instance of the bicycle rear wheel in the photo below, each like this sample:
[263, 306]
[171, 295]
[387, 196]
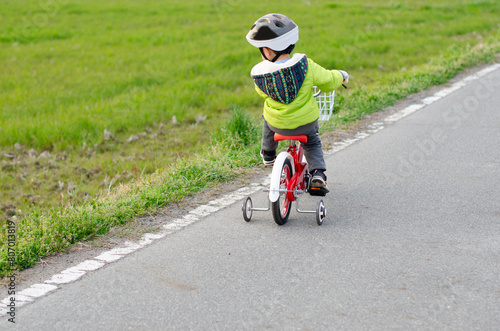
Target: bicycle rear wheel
[281, 208]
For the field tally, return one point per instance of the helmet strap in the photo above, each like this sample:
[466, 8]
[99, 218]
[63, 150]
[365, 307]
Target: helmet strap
[288, 50]
[278, 54]
[261, 49]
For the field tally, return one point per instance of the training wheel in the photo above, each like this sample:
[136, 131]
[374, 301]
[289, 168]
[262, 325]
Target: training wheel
[247, 209]
[320, 212]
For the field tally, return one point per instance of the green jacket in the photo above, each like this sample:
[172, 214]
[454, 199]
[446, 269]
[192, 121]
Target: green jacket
[287, 90]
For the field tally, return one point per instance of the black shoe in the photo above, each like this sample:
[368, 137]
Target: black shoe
[318, 181]
[268, 157]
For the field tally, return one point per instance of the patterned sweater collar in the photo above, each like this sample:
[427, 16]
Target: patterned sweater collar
[281, 81]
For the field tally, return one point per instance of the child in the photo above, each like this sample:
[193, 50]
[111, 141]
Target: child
[286, 84]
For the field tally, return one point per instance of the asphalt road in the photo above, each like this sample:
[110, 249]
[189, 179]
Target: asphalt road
[411, 241]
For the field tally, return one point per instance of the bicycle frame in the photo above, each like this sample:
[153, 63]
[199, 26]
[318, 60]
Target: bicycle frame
[296, 186]
[299, 181]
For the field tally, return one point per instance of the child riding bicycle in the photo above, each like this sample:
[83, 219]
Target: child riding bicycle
[286, 84]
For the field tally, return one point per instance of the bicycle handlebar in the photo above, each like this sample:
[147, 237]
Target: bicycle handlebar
[317, 94]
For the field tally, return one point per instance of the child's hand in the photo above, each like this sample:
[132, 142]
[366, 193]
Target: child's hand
[345, 75]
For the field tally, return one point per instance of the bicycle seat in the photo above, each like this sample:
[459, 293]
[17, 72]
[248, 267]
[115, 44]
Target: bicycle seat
[299, 137]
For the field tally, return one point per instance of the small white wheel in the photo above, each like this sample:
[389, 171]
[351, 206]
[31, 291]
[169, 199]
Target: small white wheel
[247, 209]
[320, 212]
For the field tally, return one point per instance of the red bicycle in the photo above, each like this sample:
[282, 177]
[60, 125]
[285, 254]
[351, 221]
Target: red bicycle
[290, 177]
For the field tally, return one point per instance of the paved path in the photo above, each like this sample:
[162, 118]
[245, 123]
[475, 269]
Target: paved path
[411, 241]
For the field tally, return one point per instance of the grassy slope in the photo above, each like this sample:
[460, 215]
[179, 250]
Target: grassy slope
[122, 67]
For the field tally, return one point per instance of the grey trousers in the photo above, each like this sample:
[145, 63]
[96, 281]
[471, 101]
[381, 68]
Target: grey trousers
[312, 149]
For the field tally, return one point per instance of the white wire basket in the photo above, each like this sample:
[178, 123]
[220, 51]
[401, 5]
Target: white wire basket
[325, 103]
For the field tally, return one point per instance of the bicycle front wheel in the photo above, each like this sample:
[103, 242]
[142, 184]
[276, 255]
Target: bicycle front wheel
[281, 208]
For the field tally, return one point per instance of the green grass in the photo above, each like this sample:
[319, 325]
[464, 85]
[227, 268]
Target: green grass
[72, 69]
[76, 68]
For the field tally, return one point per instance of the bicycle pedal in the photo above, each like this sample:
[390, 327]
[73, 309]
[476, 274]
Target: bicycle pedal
[317, 191]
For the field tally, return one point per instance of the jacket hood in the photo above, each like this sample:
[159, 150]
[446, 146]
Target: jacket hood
[281, 81]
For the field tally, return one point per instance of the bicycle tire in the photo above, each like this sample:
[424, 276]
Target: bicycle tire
[282, 207]
[247, 209]
[320, 212]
